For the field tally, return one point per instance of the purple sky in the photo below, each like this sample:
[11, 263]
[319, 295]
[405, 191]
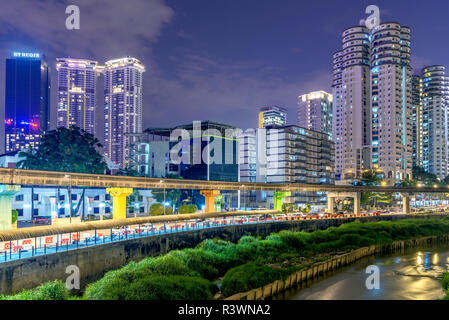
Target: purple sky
[214, 60]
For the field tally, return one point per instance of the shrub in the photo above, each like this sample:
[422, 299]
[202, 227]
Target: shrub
[250, 276]
[445, 281]
[169, 264]
[247, 239]
[153, 287]
[14, 216]
[55, 290]
[187, 209]
[157, 209]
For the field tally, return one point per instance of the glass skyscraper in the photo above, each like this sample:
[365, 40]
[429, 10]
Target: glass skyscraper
[27, 100]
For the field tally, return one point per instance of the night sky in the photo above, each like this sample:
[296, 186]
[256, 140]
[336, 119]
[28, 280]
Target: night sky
[214, 60]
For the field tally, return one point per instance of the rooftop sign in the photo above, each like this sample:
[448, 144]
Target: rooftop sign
[33, 55]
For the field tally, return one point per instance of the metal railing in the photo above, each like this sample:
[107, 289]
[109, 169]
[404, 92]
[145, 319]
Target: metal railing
[38, 246]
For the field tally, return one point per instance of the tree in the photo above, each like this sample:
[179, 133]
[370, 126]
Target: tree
[66, 150]
[370, 177]
[127, 172]
[169, 195]
[421, 175]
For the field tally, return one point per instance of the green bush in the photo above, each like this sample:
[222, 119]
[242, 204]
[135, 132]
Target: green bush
[187, 209]
[250, 276]
[445, 281]
[14, 215]
[157, 209]
[169, 264]
[151, 287]
[55, 290]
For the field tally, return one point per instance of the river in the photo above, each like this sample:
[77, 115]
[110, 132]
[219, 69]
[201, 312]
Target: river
[410, 275]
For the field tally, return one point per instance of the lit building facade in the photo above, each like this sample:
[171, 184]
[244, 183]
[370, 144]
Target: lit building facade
[149, 153]
[417, 130]
[372, 90]
[248, 155]
[76, 93]
[315, 111]
[391, 101]
[435, 121]
[272, 116]
[301, 156]
[123, 106]
[351, 123]
[27, 100]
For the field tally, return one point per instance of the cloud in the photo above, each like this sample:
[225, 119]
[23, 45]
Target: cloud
[195, 86]
[208, 89]
[107, 27]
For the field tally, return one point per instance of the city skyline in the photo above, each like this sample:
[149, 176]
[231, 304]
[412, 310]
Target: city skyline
[191, 80]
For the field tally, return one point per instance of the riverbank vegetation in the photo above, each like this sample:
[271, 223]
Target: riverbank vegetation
[445, 283]
[217, 266]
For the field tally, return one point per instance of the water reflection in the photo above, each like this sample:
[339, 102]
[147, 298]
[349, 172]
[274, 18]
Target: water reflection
[411, 275]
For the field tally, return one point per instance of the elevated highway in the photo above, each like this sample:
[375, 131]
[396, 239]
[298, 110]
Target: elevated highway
[49, 178]
[120, 187]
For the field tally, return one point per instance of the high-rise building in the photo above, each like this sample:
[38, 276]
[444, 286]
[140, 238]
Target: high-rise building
[272, 116]
[391, 101]
[315, 111]
[417, 121]
[123, 106]
[351, 123]
[27, 100]
[248, 155]
[76, 93]
[435, 121]
[298, 155]
[372, 92]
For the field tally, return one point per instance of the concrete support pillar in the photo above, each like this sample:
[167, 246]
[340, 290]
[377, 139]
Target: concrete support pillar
[119, 201]
[6, 194]
[405, 203]
[330, 205]
[209, 198]
[278, 196]
[357, 203]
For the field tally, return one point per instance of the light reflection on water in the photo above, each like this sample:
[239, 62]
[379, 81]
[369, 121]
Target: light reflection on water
[411, 275]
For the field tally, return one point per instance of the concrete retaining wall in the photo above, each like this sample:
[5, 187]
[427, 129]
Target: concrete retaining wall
[95, 261]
